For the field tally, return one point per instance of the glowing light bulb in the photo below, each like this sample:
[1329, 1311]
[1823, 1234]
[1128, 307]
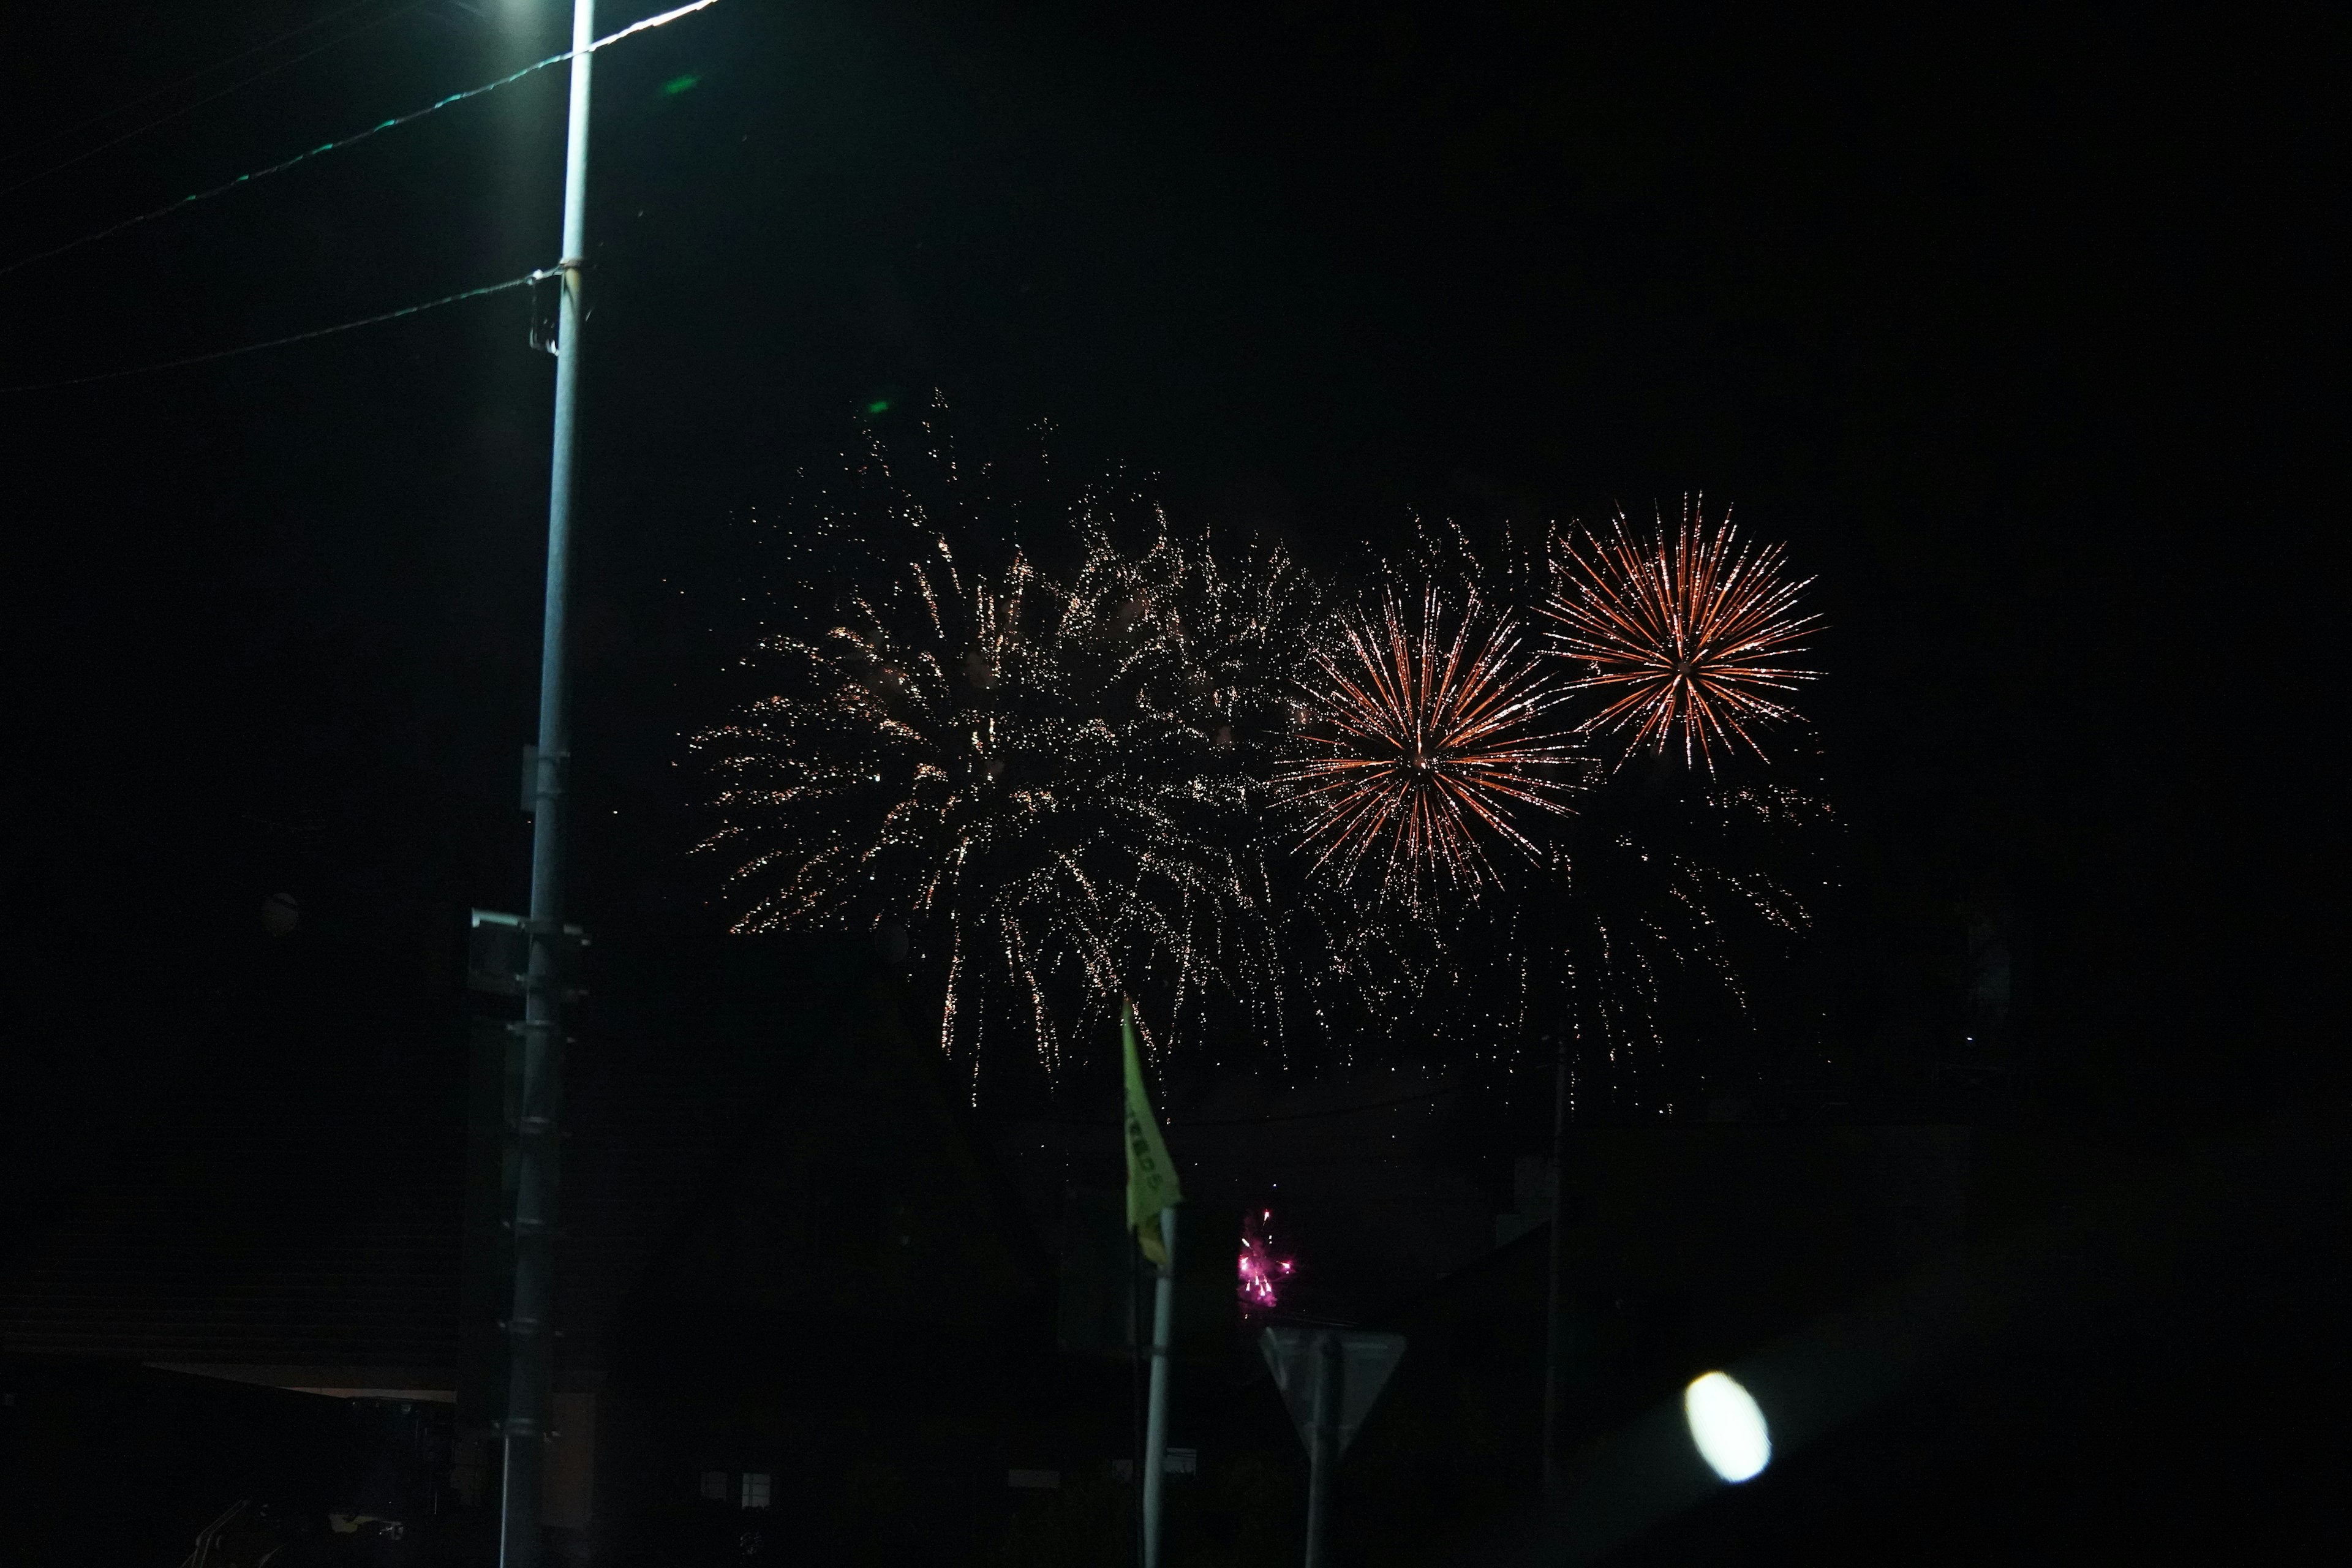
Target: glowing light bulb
[1726, 1428]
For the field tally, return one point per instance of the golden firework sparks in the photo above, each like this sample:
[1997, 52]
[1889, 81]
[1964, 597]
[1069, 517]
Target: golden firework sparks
[1038, 780]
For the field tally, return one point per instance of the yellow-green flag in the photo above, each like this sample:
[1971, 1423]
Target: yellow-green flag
[1151, 1175]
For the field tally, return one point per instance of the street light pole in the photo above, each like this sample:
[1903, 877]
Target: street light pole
[529, 1326]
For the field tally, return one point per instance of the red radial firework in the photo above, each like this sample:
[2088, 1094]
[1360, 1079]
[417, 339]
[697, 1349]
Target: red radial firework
[1683, 635]
[1420, 736]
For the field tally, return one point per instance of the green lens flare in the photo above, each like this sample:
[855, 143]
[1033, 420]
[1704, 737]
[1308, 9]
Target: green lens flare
[880, 405]
[679, 84]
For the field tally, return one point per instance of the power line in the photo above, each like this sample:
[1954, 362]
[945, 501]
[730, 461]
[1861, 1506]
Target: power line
[295, 338]
[355, 138]
[210, 97]
[263, 46]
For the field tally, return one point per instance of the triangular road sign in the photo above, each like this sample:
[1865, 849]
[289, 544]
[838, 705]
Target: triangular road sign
[1364, 1362]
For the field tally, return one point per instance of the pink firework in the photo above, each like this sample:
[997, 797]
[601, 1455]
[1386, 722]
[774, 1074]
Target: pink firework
[1684, 636]
[1262, 1272]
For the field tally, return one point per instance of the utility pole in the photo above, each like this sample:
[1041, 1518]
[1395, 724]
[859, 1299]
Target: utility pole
[529, 1327]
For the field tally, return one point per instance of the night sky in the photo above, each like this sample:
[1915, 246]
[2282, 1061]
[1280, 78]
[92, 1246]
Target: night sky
[2010, 325]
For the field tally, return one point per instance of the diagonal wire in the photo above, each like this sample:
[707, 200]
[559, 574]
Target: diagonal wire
[355, 138]
[294, 338]
[236, 86]
[312, 26]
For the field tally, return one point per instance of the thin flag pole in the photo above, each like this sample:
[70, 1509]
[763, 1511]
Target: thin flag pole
[1139, 1402]
[1155, 1431]
[1152, 1194]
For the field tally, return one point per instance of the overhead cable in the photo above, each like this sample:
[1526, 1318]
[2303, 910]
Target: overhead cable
[354, 139]
[237, 85]
[527, 277]
[287, 37]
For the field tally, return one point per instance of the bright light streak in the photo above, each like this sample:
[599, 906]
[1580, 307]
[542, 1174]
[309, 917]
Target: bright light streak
[1727, 1428]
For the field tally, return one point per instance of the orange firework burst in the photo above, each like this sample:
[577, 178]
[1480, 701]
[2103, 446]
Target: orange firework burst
[1683, 635]
[1421, 738]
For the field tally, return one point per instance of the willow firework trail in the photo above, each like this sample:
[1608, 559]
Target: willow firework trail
[1421, 738]
[1683, 635]
[1038, 780]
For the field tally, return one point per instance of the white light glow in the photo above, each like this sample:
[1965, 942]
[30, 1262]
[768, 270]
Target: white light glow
[1726, 1428]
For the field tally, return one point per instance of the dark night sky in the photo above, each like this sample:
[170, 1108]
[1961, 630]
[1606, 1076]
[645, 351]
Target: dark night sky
[2010, 325]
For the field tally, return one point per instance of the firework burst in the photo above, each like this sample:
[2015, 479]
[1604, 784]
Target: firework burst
[1421, 738]
[1683, 635]
[1261, 1271]
[1042, 781]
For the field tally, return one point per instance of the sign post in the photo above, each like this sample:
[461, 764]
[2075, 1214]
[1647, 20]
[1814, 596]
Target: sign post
[1329, 1379]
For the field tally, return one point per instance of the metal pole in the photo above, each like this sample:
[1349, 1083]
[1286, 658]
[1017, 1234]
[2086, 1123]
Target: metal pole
[1323, 1449]
[529, 1327]
[1155, 1431]
[1139, 1352]
[1557, 1346]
